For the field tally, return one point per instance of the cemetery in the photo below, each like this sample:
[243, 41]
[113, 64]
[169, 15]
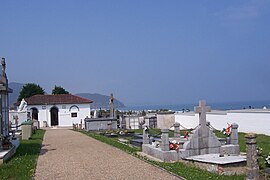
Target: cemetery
[158, 139]
[202, 147]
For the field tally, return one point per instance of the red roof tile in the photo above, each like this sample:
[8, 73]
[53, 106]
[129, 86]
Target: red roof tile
[56, 99]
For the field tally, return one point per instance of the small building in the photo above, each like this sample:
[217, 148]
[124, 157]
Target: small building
[151, 120]
[58, 110]
[133, 121]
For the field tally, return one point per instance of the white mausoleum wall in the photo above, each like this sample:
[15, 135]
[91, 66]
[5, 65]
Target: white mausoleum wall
[133, 122]
[64, 113]
[248, 120]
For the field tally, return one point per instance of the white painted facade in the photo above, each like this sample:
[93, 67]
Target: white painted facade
[249, 120]
[64, 113]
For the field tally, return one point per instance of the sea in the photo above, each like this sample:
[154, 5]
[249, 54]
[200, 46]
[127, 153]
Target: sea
[216, 106]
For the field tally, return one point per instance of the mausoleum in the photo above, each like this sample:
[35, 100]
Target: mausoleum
[58, 110]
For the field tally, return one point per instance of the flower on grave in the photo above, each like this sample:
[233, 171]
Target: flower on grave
[171, 146]
[259, 151]
[186, 134]
[227, 131]
[267, 160]
[174, 145]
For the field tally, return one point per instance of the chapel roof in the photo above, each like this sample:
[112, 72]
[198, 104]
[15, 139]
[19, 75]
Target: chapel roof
[56, 99]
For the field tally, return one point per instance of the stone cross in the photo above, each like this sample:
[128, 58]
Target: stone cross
[3, 63]
[202, 109]
[112, 113]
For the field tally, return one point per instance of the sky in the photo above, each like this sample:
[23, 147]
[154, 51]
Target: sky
[145, 52]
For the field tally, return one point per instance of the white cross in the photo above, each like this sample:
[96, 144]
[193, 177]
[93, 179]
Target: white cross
[202, 109]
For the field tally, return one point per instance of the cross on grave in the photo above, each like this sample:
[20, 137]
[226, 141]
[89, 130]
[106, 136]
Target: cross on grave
[202, 109]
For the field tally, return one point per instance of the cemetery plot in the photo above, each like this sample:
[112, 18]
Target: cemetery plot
[202, 147]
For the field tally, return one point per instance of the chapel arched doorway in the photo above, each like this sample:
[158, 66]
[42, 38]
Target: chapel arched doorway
[34, 114]
[54, 116]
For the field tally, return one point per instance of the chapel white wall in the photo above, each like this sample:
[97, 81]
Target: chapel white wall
[64, 113]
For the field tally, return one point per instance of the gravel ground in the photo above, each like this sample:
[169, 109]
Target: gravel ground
[71, 155]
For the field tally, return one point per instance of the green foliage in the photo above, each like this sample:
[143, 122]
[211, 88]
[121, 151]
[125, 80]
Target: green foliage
[23, 164]
[262, 142]
[59, 90]
[29, 90]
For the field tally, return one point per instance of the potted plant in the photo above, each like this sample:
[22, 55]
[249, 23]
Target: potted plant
[5, 143]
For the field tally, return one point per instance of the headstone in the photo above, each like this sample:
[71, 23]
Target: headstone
[176, 130]
[252, 163]
[95, 114]
[110, 126]
[165, 140]
[234, 134]
[146, 135]
[16, 121]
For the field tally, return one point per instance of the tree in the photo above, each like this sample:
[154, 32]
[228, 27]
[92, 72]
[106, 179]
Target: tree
[59, 90]
[29, 90]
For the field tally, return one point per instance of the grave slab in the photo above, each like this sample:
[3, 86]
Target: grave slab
[215, 159]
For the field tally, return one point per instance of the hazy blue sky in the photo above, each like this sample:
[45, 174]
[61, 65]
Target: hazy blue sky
[144, 51]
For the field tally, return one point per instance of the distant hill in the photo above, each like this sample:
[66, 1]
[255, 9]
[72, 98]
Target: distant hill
[17, 87]
[100, 101]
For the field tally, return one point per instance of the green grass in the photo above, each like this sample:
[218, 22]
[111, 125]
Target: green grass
[263, 141]
[188, 172]
[23, 164]
[112, 141]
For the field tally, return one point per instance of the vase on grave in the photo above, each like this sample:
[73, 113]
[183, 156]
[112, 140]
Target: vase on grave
[228, 140]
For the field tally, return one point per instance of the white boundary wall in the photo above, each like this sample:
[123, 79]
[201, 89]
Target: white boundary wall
[250, 120]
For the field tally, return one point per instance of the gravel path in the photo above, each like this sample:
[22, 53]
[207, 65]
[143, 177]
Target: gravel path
[71, 155]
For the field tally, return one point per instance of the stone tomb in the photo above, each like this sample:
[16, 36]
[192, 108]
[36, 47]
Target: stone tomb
[100, 124]
[200, 145]
[7, 148]
[203, 140]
